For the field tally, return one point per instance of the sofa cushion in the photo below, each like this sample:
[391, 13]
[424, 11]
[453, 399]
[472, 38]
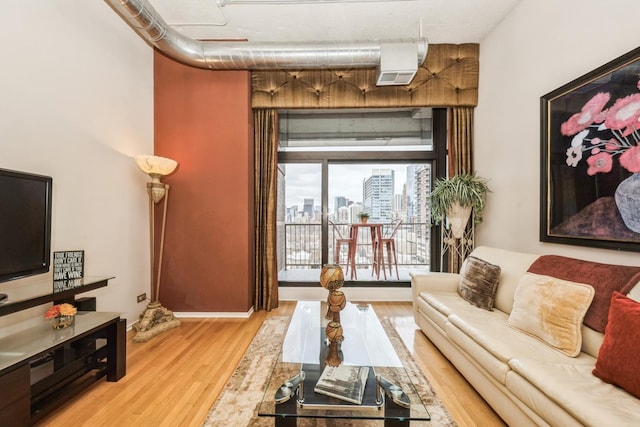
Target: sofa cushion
[513, 265]
[551, 310]
[492, 365]
[571, 386]
[433, 311]
[486, 337]
[618, 360]
[479, 282]
[550, 412]
[605, 278]
[444, 302]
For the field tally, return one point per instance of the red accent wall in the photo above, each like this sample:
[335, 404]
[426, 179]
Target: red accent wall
[203, 119]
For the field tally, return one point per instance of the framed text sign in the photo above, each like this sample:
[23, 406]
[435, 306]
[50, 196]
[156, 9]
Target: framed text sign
[68, 265]
[590, 162]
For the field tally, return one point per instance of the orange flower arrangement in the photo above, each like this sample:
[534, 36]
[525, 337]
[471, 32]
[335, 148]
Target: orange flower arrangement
[59, 310]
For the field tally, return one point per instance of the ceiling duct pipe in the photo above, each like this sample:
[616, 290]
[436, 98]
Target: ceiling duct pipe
[216, 55]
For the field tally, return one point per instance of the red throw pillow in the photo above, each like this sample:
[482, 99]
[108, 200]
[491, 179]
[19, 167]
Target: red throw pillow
[618, 362]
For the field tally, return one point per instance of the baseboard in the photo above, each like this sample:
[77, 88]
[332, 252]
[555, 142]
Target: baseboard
[213, 314]
[353, 294]
[316, 293]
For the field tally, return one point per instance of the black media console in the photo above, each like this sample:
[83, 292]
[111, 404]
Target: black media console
[41, 367]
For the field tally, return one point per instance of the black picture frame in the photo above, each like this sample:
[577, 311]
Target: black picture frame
[68, 265]
[577, 193]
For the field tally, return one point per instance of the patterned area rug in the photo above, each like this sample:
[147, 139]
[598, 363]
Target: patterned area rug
[238, 403]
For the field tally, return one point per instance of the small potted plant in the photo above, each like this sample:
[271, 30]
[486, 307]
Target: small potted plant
[455, 198]
[364, 217]
[61, 315]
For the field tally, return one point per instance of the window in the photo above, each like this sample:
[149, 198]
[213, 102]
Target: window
[335, 164]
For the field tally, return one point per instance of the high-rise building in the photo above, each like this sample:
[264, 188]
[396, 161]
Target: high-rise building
[422, 193]
[410, 204]
[405, 200]
[292, 214]
[339, 202]
[423, 211]
[343, 215]
[307, 208]
[398, 204]
[377, 195]
[354, 210]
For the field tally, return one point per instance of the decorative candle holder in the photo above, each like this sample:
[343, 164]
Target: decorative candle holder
[332, 279]
[335, 336]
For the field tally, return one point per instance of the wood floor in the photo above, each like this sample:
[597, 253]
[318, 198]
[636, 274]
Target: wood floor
[173, 379]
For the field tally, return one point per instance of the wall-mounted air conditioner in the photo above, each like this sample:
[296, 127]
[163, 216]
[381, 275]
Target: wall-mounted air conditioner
[398, 64]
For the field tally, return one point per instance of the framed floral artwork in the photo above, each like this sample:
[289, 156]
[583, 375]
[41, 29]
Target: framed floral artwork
[590, 158]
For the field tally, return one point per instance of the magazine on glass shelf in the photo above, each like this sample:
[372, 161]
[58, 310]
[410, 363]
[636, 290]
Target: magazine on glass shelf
[343, 382]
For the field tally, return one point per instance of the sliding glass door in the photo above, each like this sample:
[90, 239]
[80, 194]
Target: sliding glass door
[334, 168]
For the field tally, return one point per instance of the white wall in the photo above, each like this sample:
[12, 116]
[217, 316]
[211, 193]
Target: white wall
[540, 46]
[76, 102]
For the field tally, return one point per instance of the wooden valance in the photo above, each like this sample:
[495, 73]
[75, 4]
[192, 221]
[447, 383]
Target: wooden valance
[448, 78]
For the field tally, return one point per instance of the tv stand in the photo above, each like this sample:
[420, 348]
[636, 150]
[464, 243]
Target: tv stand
[37, 293]
[41, 367]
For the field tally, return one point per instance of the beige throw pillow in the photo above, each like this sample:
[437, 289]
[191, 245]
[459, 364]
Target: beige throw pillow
[479, 282]
[551, 310]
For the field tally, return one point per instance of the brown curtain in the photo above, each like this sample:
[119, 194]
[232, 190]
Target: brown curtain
[460, 140]
[265, 198]
[460, 161]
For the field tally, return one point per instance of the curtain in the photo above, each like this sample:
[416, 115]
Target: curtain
[460, 140]
[265, 199]
[460, 161]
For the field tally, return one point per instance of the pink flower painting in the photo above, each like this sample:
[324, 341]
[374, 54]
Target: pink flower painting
[600, 134]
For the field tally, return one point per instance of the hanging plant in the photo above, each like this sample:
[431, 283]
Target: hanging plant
[465, 190]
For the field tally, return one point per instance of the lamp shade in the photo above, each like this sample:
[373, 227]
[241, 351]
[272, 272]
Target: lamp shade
[155, 165]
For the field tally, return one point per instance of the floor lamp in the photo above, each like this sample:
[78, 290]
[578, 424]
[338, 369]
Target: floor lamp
[155, 319]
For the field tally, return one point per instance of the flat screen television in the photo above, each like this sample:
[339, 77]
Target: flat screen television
[25, 224]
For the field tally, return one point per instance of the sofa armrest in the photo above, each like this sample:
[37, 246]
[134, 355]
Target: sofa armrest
[433, 281]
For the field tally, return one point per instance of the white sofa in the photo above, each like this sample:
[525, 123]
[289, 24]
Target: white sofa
[525, 381]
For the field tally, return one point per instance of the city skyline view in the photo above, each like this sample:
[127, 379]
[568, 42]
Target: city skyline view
[381, 190]
[303, 182]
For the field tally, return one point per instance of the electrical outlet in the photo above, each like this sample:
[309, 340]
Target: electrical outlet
[142, 297]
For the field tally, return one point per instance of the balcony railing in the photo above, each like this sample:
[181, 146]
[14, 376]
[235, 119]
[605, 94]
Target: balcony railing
[303, 246]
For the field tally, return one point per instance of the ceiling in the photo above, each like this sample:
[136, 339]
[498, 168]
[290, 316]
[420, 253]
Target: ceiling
[440, 21]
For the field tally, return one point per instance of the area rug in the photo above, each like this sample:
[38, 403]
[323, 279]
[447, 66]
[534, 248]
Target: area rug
[239, 401]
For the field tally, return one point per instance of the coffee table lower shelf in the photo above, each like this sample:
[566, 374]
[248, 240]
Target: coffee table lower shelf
[382, 400]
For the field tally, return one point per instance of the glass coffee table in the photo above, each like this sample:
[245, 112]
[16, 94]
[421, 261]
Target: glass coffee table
[388, 393]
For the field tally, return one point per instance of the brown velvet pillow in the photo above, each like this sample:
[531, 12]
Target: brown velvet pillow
[479, 282]
[618, 362]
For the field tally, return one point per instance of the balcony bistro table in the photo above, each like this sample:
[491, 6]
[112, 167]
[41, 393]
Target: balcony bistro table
[377, 250]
